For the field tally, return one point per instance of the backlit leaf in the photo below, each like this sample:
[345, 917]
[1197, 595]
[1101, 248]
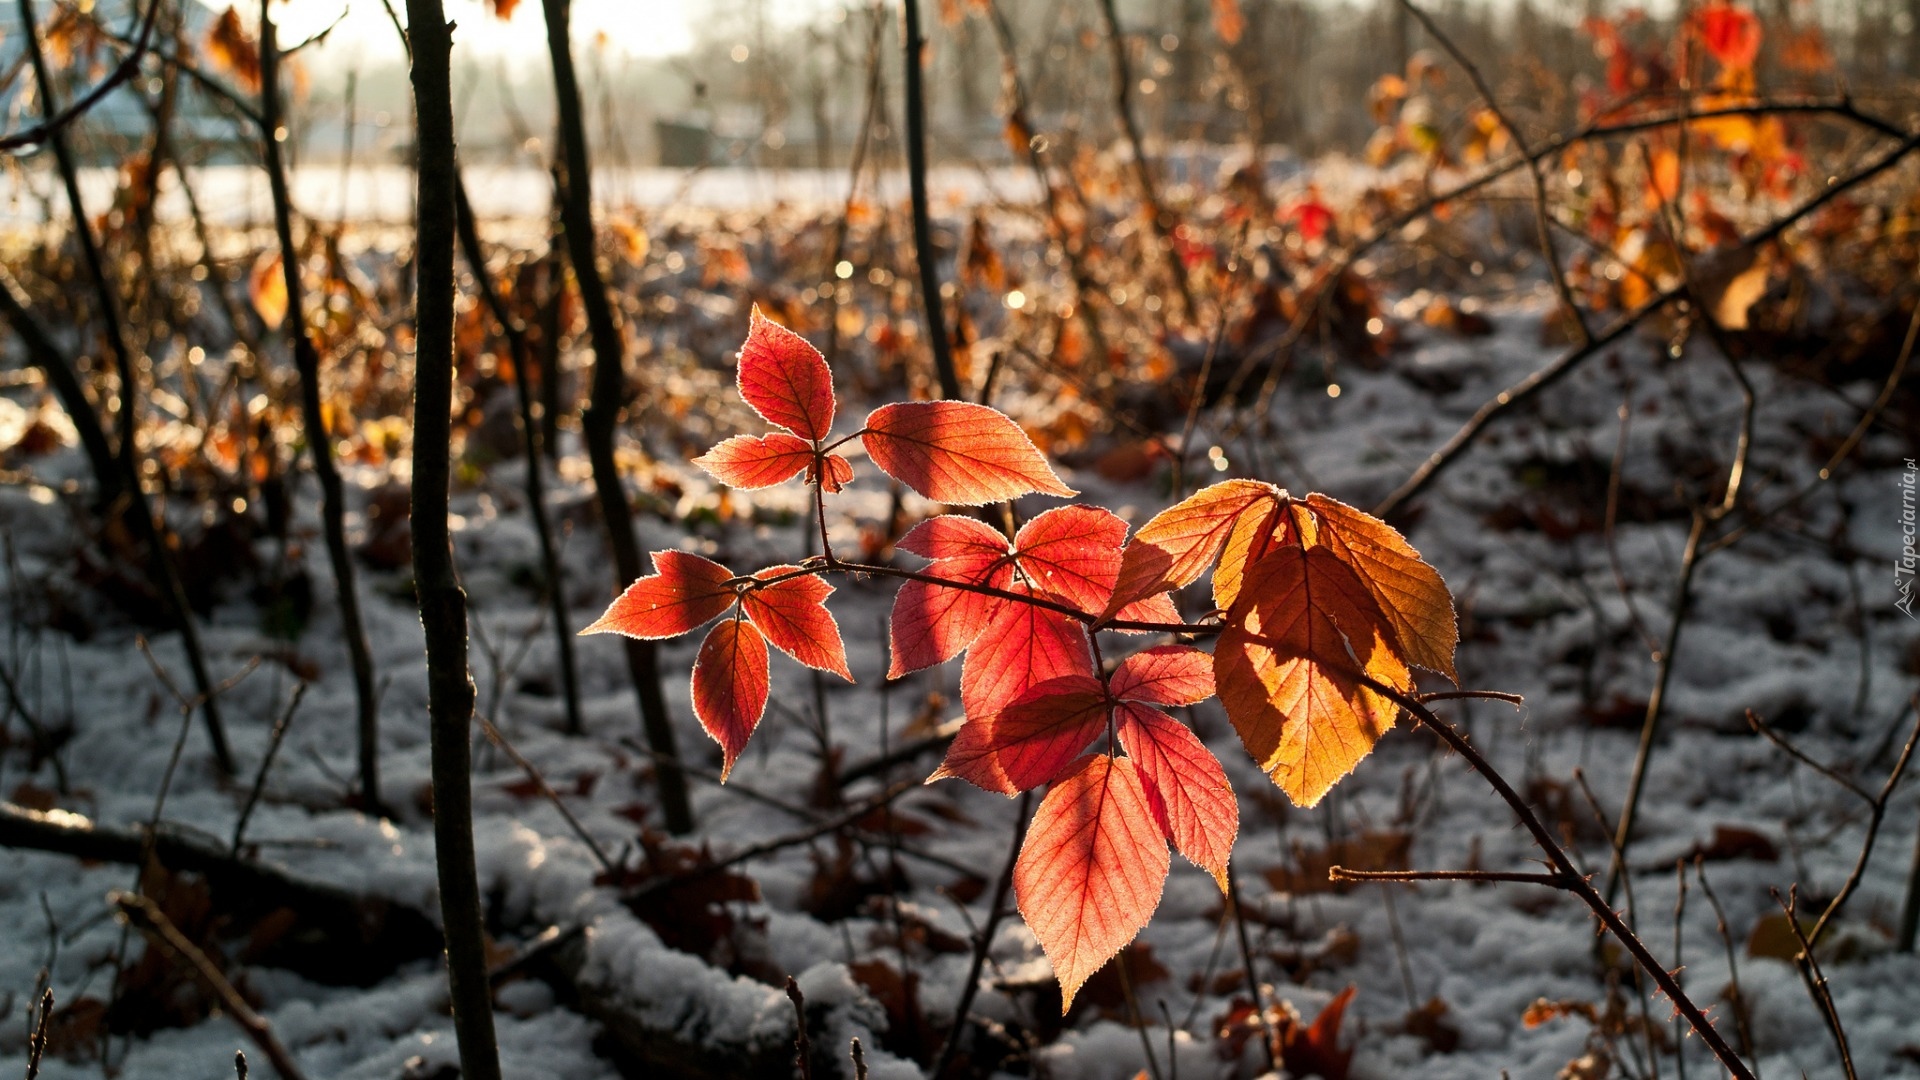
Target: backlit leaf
[839, 473]
[1416, 602]
[1165, 675]
[786, 379]
[1175, 548]
[1091, 869]
[932, 624]
[750, 461]
[683, 592]
[1186, 788]
[1284, 667]
[1072, 554]
[793, 615]
[958, 452]
[1251, 537]
[1730, 32]
[1032, 741]
[1021, 646]
[730, 686]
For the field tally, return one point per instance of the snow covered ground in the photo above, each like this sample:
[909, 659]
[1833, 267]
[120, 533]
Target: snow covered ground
[1779, 625]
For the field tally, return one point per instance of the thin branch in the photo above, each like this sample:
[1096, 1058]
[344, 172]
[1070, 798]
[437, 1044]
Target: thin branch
[983, 941]
[52, 125]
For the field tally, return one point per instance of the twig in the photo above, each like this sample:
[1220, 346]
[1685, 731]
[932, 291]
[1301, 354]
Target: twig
[1542, 219]
[1574, 882]
[1268, 1038]
[802, 1046]
[982, 942]
[599, 424]
[1876, 803]
[144, 915]
[1816, 981]
[443, 603]
[923, 253]
[547, 792]
[306, 359]
[1533, 384]
[1735, 995]
[1157, 215]
[53, 123]
[266, 762]
[37, 1034]
[1341, 873]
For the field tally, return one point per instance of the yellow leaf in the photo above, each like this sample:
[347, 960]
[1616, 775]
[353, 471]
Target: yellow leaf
[267, 289]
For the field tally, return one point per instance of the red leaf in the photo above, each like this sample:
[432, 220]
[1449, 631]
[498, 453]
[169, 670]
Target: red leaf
[958, 452]
[749, 461]
[1033, 741]
[786, 379]
[953, 536]
[1731, 34]
[1021, 646]
[730, 686]
[839, 473]
[1165, 675]
[1155, 609]
[793, 615]
[932, 624]
[685, 591]
[1072, 554]
[1185, 785]
[1175, 548]
[1091, 869]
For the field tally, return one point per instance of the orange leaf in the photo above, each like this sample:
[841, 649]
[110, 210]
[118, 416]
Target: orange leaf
[1174, 549]
[794, 616]
[730, 686]
[1410, 593]
[503, 9]
[267, 289]
[755, 461]
[1304, 622]
[1021, 646]
[685, 591]
[1228, 22]
[1185, 785]
[786, 379]
[1091, 869]
[1252, 537]
[1033, 741]
[957, 452]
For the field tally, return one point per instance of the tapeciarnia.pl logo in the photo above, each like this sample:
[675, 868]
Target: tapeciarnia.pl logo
[1903, 567]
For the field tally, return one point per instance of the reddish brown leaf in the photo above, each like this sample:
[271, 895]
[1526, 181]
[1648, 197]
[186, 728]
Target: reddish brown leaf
[1165, 675]
[1410, 593]
[757, 461]
[683, 592]
[786, 379]
[957, 452]
[1185, 785]
[1303, 624]
[730, 686]
[1021, 646]
[1314, 1049]
[1091, 869]
[793, 615]
[1175, 548]
[1031, 742]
